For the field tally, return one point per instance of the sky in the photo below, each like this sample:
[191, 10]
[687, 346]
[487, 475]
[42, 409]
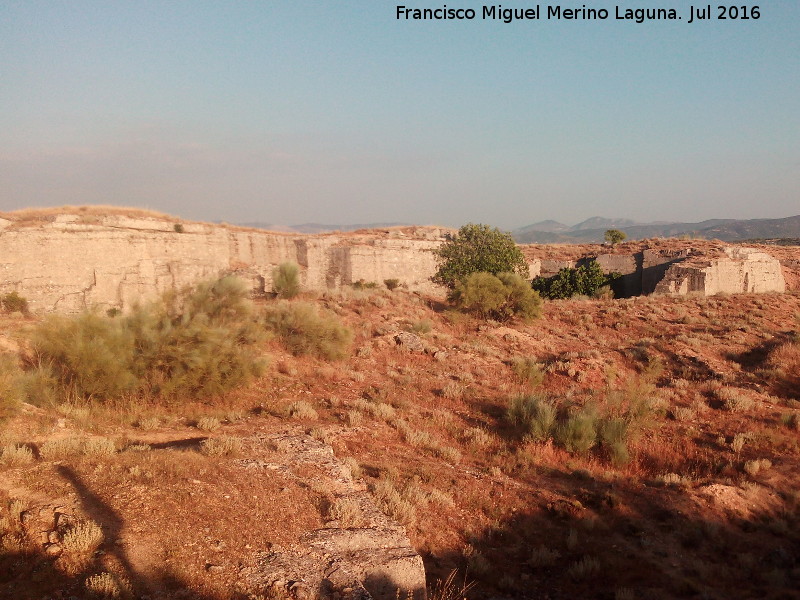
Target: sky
[338, 112]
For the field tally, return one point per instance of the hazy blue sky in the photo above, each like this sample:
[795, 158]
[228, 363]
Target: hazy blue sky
[289, 111]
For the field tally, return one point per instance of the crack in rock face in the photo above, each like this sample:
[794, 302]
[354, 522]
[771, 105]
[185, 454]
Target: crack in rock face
[363, 554]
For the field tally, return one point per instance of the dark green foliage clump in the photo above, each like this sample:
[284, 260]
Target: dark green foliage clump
[304, 329]
[286, 280]
[586, 280]
[499, 297]
[477, 249]
[391, 284]
[13, 302]
[196, 342]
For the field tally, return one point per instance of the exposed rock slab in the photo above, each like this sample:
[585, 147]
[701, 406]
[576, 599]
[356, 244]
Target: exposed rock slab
[372, 560]
[741, 270]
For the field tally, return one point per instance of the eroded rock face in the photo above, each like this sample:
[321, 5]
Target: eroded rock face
[67, 265]
[741, 270]
[72, 262]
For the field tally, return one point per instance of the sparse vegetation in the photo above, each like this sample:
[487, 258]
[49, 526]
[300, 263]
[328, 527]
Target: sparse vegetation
[535, 416]
[528, 370]
[79, 541]
[304, 329]
[224, 445]
[286, 280]
[106, 585]
[391, 284]
[605, 428]
[614, 236]
[15, 455]
[200, 341]
[301, 409]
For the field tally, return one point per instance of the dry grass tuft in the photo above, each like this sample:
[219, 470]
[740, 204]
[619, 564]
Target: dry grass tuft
[15, 455]
[79, 543]
[302, 410]
[347, 513]
[106, 585]
[208, 424]
[224, 445]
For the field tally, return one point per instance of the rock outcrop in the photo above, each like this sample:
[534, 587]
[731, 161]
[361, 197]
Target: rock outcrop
[741, 270]
[70, 262]
[67, 264]
[360, 554]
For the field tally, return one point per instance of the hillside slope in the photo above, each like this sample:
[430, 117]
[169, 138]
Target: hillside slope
[694, 495]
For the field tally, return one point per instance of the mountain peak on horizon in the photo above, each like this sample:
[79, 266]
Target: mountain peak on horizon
[600, 222]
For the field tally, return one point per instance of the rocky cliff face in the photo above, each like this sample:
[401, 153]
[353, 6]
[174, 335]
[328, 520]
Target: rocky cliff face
[742, 270]
[69, 262]
[67, 265]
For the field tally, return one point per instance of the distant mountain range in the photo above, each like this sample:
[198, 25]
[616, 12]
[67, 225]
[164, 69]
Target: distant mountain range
[593, 230]
[319, 227]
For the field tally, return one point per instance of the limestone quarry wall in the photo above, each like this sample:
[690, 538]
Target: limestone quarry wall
[67, 266]
[69, 263]
[742, 270]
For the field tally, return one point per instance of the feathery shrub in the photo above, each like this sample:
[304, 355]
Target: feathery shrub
[286, 280]
[304, 329]
[498, 297]
[198, 341]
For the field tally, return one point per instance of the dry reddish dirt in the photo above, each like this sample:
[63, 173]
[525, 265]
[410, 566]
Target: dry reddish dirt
[689, 515]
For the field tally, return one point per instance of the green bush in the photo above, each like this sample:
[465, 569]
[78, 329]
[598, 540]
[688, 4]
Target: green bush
[613, 435]
[578, 432]
[528, 370]
[498, 297]
[391, 284]
[303, 329]
[535, 416]
[477, 249]
[198, 342]
[88, 355]
[13, 302]
[286, 280]
[586, 280]
[178, 227]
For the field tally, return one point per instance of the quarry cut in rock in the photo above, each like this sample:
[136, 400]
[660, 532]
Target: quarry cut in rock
[68, 263]
[742, 270]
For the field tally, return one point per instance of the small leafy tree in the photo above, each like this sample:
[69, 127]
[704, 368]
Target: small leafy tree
[585, 280]
[497, 297]
[615, 236]
[477, 249]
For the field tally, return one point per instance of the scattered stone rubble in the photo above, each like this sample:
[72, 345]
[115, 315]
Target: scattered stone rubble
[372, 560]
